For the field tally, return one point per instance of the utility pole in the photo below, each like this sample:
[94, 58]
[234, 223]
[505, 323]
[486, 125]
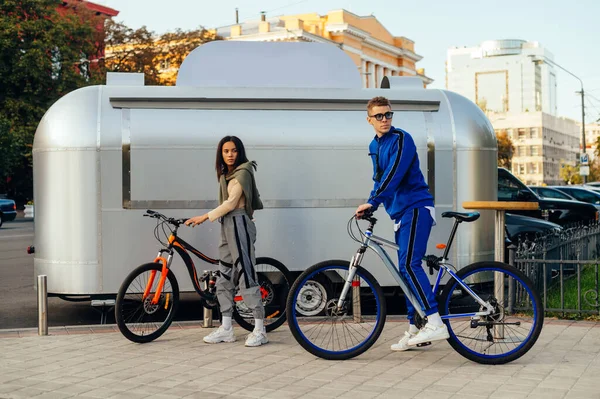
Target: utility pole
[583, 126]
[545, 59]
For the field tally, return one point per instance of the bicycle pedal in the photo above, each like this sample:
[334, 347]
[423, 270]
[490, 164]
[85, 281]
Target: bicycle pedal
[423, 344]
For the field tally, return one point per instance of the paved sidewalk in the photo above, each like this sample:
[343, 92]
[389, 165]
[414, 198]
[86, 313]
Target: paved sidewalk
[564, 363]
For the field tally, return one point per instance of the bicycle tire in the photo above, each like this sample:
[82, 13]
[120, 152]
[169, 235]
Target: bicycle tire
[280, 317]
[145, 309]
[537, 311]
[333, 265]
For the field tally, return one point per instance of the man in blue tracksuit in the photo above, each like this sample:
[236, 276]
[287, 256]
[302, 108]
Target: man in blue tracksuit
[401, 188]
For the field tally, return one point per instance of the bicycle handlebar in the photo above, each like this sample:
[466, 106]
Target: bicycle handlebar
[367, 215]
[157, 215]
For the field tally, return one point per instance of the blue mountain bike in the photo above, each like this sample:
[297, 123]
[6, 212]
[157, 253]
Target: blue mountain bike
[336, 309]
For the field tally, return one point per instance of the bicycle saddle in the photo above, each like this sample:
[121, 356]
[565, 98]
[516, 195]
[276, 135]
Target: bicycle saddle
[462, 217]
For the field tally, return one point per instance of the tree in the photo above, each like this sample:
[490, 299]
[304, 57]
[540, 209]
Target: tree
[141, 50]
[129, 50]
[43, 56]
[570, 174]
[506, 149]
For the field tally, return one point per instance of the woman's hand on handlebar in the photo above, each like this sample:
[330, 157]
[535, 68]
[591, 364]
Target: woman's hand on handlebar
[362, 209]
[196, 220]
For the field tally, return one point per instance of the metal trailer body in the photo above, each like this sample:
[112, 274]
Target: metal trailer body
[104, 154]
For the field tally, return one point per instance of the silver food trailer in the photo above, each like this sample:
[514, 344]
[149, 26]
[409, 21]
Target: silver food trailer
[102, 155]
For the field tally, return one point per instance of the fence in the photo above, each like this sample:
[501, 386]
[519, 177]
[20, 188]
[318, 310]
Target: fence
[564, 268]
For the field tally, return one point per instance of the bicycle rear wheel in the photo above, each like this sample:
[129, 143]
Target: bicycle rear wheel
[137, 318]
[513, 327]
[274, 279]
[323, 329]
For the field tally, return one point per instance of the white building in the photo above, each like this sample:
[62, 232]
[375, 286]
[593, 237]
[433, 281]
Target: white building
[501, 76]
[592, 132]
[542, 144]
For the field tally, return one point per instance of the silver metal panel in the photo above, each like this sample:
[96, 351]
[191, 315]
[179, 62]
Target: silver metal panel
[262, 104]
[126, 156]
[65, 194]
[66, 228]
[476, 177]
[290, 64]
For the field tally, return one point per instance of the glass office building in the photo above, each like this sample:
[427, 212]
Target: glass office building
[503, 76]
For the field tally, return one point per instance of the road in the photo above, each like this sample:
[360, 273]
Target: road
[18, 298]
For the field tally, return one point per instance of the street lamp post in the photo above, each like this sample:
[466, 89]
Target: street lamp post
[545, 59]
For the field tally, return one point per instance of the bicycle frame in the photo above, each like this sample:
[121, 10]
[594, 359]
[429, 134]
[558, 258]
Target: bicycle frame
[377, 243]
[182, 248]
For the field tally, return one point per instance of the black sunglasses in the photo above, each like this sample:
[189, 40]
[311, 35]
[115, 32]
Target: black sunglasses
[388, 115]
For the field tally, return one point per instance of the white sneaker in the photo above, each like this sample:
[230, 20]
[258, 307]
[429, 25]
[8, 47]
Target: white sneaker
[402, 345]
[429, 333]
[221, 334]
[256, 338]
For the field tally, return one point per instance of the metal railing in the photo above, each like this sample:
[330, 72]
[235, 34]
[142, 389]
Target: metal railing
[563, 267]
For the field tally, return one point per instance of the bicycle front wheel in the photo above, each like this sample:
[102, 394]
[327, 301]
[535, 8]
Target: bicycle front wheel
[274, 280]
[138, 319]
[321, 327]
[513, 326]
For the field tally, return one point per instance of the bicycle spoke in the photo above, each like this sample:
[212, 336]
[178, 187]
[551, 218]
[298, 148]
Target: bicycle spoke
[506, 337]
[328, 327]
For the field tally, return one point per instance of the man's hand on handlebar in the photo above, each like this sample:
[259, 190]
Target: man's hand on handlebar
[363, 210]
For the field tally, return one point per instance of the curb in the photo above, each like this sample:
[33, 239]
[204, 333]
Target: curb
[84, 329]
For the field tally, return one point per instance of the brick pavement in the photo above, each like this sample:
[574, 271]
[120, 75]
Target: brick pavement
[97, 362]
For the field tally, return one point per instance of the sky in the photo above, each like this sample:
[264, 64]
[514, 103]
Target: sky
[568, 29]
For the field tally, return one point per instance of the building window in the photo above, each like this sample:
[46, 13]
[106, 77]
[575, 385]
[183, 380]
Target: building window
[521, 150]
[522, 169]
[522, 134]
[534, 150]
[533, 133]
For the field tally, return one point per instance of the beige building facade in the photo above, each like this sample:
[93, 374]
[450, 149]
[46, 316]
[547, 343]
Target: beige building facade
[374, 50]
[542, 144]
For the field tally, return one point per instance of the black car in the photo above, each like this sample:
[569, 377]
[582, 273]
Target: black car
[519, 227]
[562, 212]
[581, 194]
[550, 192]
[8, 211]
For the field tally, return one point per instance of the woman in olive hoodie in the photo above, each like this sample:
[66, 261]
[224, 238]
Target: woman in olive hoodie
[238, 199]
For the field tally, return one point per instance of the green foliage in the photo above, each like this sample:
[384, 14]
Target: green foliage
[43, 56]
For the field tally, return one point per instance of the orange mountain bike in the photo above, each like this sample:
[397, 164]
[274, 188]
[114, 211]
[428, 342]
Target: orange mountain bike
[149, 296]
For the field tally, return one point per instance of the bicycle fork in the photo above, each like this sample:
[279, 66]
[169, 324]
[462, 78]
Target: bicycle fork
[166, 264]
[352, 281]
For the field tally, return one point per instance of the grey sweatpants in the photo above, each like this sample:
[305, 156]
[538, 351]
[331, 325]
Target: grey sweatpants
[236, 266]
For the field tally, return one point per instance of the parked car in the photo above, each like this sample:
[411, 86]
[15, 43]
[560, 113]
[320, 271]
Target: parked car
[559, 211]
[594, 184]
[8, 211]
[550, 192]
[519, 227]
[581, 194]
